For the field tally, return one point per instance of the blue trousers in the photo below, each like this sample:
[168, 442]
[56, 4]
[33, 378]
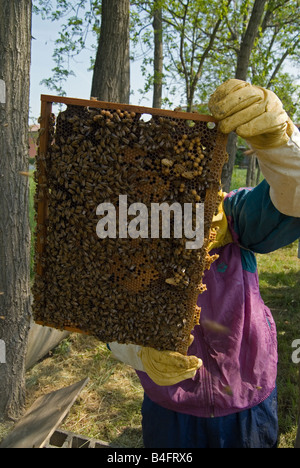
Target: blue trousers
[253, 428]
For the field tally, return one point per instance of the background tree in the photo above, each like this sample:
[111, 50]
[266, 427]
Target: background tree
[259, 38]
[111, 78]
[147, 38]
[241, 73]
[192, 28]
[158, 53]
[189, 29]
[191, 46]
[275, 39]
[15, 48]
[101, 26]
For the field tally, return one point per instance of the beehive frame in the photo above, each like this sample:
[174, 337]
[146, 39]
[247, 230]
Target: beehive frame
[155, 303]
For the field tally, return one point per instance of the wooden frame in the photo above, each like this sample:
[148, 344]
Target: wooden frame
[48, 99]
[45, 136]
[46, 110]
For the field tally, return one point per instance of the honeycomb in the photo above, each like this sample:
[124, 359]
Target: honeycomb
[130, 290]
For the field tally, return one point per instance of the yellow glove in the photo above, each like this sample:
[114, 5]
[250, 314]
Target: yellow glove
[220, 223]
[168, 367]
[254, 113]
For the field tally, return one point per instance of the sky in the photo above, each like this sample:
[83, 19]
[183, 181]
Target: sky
[44, 34]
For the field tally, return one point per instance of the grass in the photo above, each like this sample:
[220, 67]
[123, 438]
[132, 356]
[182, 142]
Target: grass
[109, 406]
[239, 177]
[279, 274]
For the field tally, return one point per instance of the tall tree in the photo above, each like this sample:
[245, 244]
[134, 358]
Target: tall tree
[241, 73]
[270, 37]
[109, 21]
[248, 39]
[147, 31]
[158, 53]
[192, 29]
[111, 79]
[15, 48]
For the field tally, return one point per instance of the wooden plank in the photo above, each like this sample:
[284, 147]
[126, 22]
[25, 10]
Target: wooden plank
[41, 340]
[43, 418]
[129, 107]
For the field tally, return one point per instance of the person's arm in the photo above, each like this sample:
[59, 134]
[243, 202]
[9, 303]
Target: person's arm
[255, 223]
[257, 115]
[281, 168]
[163, 367]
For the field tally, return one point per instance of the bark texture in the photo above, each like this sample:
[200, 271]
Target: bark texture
[249, 38]
[15, 49]
[111, 79]
[158, 55]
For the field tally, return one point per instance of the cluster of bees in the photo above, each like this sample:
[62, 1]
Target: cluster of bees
[141, 291]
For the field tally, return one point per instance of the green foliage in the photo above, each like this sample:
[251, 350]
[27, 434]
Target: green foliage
[276, 43]
[287, 89]
[201, 43]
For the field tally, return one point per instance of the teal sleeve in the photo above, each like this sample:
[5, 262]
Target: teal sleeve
[255, 223]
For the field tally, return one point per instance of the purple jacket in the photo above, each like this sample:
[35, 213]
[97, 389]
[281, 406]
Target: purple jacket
[240, 367]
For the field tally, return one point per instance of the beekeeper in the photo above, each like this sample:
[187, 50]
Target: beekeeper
[223, 394]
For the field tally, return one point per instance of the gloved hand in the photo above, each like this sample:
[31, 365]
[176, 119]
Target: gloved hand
[168, 367]
[254, 113]
[163, 367]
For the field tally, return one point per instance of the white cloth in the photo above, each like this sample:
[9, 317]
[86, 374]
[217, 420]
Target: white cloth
[128, 354]
[281, 169]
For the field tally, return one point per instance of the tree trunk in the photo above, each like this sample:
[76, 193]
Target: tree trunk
[242, 66]
[111, 79]
[258, 173]
[248, 39]
[228, 167]
[251, 171]
[15, 49]
[158, 55]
